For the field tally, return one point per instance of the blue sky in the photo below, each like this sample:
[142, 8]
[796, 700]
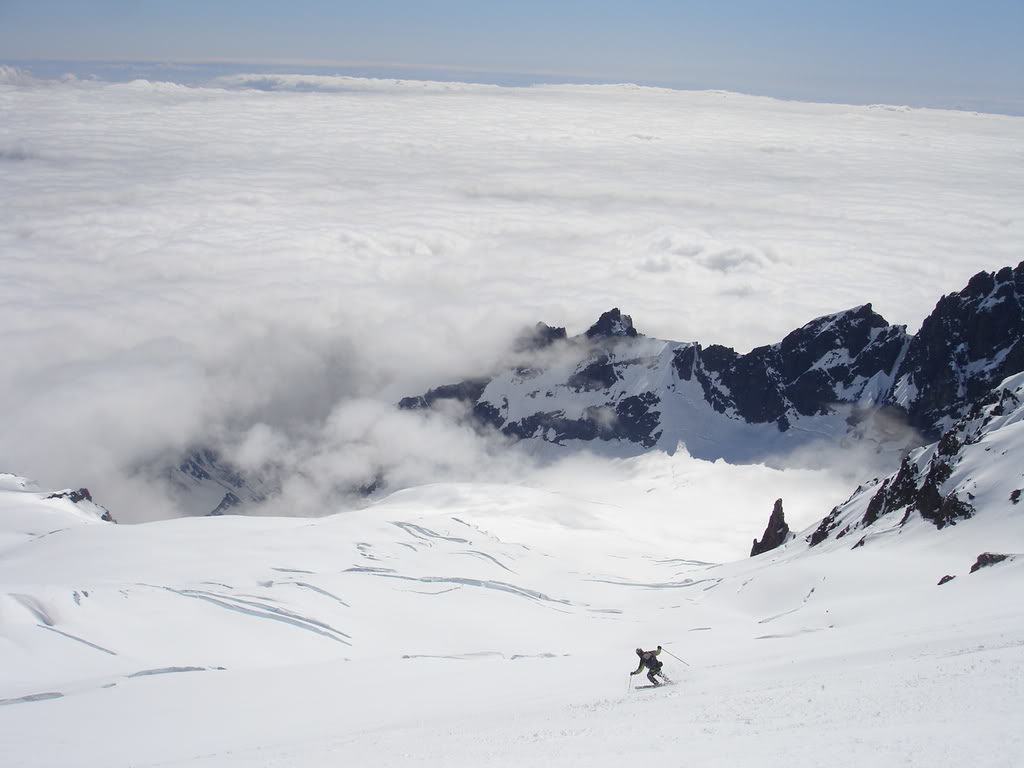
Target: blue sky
[930, 52]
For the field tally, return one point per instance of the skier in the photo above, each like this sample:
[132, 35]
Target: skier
[649, 659]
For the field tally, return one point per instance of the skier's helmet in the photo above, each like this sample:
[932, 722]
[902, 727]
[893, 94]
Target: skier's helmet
[639, 651]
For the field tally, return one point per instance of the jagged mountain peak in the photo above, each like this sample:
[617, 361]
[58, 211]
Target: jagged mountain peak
[993, 284]
[612, 324]
[775, 534]
[973, 339]
[538, 337]
[851, 330]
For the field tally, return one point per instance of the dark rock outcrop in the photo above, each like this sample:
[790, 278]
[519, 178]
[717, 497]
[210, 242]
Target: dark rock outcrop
[633, 418]
[82, 494]
[970, 342]
[946, 579]
[825, 527]
[985, 559]
[207, 464]
[229, 501]
[748, 385]
[824, 359]
[775, 535]
[805, 374]
[896, 492]
[612, 324]
[919, 489]
[825, 362]
[539, 337]
[940, 483]
[467, 391]
[205, 472]
[596, 376]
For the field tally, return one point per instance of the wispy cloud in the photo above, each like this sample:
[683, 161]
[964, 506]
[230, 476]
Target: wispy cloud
[271, 270]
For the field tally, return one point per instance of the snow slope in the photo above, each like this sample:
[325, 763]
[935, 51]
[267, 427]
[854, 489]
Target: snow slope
[494, 625]
[975, 466]
[27, 512]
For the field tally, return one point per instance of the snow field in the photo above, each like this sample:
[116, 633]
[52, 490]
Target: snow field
[465, 625]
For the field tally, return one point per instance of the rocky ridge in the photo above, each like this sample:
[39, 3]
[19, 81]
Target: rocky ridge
[832, 378]
[975, 465]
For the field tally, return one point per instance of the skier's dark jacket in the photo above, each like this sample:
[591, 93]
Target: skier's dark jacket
[649, 659]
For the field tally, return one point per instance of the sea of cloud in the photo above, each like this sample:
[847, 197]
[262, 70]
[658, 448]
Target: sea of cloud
[268, 264]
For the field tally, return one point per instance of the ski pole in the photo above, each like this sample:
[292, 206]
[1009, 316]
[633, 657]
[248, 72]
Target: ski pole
[630, 686]
[666, 650]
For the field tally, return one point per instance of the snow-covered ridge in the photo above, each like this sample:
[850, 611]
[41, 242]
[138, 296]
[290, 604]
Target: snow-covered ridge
[976, 465]
[822, 381]
[637, 393]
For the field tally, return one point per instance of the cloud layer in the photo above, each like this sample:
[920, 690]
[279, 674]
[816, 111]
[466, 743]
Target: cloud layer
[183, 264]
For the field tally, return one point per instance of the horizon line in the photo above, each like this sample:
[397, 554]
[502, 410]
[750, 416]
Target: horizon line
[1006, 109]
